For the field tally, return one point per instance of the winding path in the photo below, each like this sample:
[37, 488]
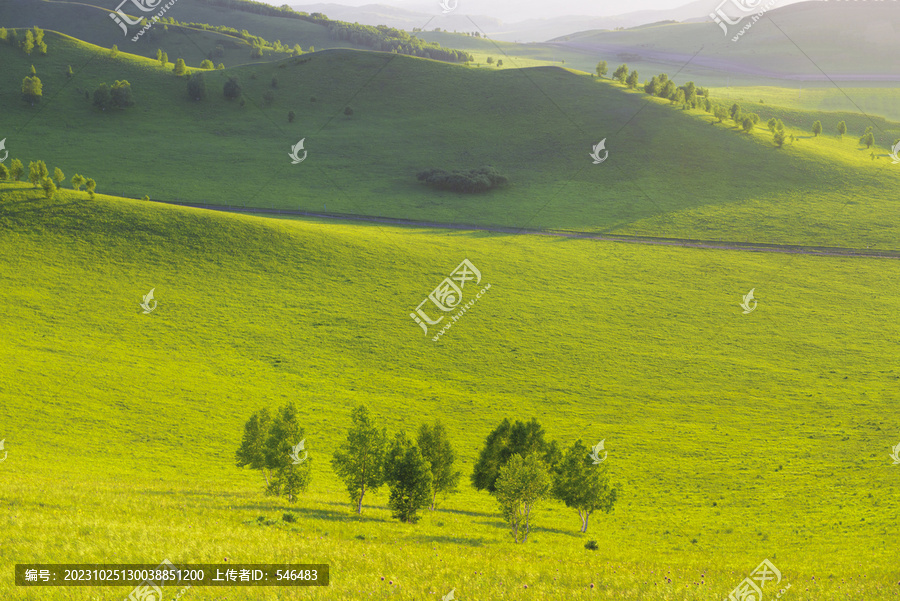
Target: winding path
[826, 251]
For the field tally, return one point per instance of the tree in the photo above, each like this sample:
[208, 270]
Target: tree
[602, 69]
[520, 485]
[408, 474]
[207, 64]
[49, 187]
[738, 117]
[735, 110]
[284, 434]
[291, 116]
[632, 79]
[360, 464]
[90, 185]
[28, 44]
[778, 137]
[120, 94]
[773, 124]
[16, 169]
[32, 89]
[77, 182]
[522, 438]
[37, 170]
[651, 86]
[437, 450]
[163, 58]
[32, 71]
[220, 66]
[39, 40]
[348, 111]
[582, 485]
[180, 68]
[747, 124]
[666, 90]
[58, 176]
[500, 62]
[69, 73]
[256, 432]
[102, 97]
[232, 88]
[274, 82]
[868, 139]
[114, 51]
[621, 73]
[490, 60]
[256, 50]
[817, 128]
[4, 173]
[720, 113]
[196, 86]
[841, 129]
[678, 97]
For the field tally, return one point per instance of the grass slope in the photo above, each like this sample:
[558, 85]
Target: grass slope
[733, 437]
[670, 170]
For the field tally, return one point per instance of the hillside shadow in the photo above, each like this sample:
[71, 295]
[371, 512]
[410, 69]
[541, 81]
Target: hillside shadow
[504, 526]
[451, 540]
[311, 512]
[483, 514]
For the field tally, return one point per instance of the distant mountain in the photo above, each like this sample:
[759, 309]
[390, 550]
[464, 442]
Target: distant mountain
[504, 23]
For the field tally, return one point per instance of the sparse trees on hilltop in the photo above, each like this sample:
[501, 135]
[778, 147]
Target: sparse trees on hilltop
[59, 176]
[207, 64]
[90, 185]
[868, 137]
[4, 173]
[180, 68]
[77, 182]
[621, 73]
[632, 80]
[602, 69]
[49, 187]
[37, 170]
[842, 129]
[817, 128]
[32, 89]
[16, 170]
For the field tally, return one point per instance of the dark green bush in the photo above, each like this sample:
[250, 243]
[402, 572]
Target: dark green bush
[467, 182]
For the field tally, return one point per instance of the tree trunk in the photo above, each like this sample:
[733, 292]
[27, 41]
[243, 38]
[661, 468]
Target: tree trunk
[359, 502]
[266, 474]
[584, 521]
[433, 497]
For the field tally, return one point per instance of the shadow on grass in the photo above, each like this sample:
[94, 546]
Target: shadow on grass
[311, 512]
[534, 529]
[451, 540]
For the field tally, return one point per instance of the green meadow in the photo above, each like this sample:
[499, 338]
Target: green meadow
[733, 438]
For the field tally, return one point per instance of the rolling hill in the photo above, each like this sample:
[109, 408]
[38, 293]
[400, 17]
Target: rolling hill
[671, 172]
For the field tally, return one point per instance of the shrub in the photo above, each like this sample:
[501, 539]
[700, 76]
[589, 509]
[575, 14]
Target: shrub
[591, 545]
[468, 182]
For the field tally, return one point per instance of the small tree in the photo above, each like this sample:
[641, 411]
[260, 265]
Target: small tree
[114, 51]
[490, 60]
[678, 97]
[196, 86]
[602, 69]
[621, 73]
[163, 58]
[32, 70]
[268, 97]
[284, 434]
[841, 129]
[522, 438]
[747, 124]
[720, 113]
[773, 124]
[817, 128]
[102, 97]
[32, 89]
[520, 485]
[77, 182]
[16, 169]
[348, 111]
[220, 66]
[437, 450]
[37, 171]
[735, 110]
[408, 474]
[868, 139]
[58, 176]
[256, 432]
[4, 173]
[49, 187]
[207, 64]
[582, 485]
[232, 88]
[120, 94]
[360, 463]
[779, 137]
[28, 44]
[500, 62]
[69, 72]
[632, 79]
[90, 185]
[291, 116]
[180, 68]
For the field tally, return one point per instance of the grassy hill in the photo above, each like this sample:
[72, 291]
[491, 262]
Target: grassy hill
[733, 437]
[671, 172]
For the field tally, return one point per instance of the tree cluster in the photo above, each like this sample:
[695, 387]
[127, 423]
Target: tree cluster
[117, 96]
[39, 176]
[472, 181]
